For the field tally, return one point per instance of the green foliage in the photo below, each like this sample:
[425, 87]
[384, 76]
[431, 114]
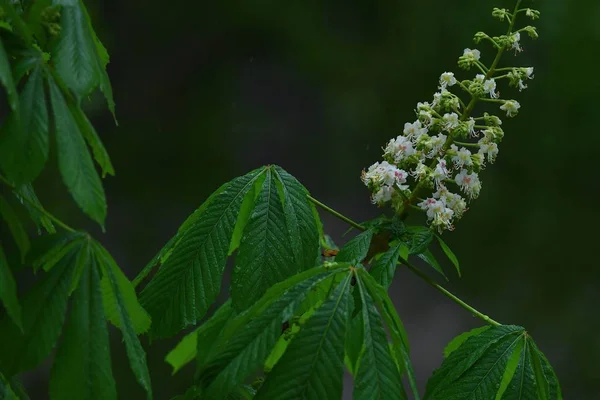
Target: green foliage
[500, 362]
[292, 322]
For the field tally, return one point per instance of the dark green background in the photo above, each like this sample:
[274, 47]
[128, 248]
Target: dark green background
[206, 91]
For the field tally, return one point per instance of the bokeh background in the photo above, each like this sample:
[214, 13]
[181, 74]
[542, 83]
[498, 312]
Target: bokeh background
[208, 90]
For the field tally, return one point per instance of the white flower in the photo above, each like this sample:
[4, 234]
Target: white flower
[489, 86]
[474, 53]
[438, 214]
[383, 195]
[450, 121]
[399, 148]
[489, 148]
[511, 107]
[437, 98]
[420, 171]
[447, 79]
[462, 157]
[423, 106]
[515, 38]
[471, 127]
[440, 173]
[443, 219]
[469, 183]
[529, 72]
[479, 78]
[453, 201]
[432, 207]
[426, 117]
[415, 129]
[436, 143]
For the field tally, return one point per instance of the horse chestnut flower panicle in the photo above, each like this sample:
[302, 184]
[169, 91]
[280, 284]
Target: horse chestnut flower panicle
[446, 147]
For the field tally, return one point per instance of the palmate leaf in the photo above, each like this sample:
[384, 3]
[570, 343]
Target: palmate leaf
[449, 253]
[74, 160]
[44, 309]
[82, 368]
[312, 366]
[8, 291]
[81, 57]
[126, 317]
[16, 228]
[6, 79]
[26, 195]
[394, 324]
[356, 249]
[384, 269]
[430, 259]
[500, 362]
[24, 139]
[421, 238]
[248, 343]
[190, 278]
[378, 376]
[301, 219]
[265, 256]
[197, 343]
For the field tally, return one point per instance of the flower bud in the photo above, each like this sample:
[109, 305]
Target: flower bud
[499, 13]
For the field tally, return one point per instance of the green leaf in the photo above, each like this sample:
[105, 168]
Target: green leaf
[313, 365]
[245, 214]
[91, 136]
[449, 254]
[384, 269]
[300, 219]
[82, 368]
[26, 195]
[140, 319]
[396, 328]
[421, 238]
[190, 279]
[44, 309]
[430, 259]
[460, 339]
[135, 352]
[24, 140]
[354, 342]
[377, 376]
[49, 250]
[196, 344]
[511, 368]
[7, 79]
[6, 392]
[15, 227]
[250, 346]
[265, 256]
[475, 370]
[522, 385]
[8, 291]
[74, 160]
[356, 249]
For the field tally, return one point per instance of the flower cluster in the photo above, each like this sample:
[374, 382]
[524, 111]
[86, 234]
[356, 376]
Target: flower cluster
[445, 148]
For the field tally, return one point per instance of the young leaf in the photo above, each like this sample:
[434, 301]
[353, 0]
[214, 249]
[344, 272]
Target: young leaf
[196, 344]
[421, 238]
[377, 376]
[82, 368]
[15, 227]
[74, 160]
[135, 352]
[313, 365]
[190, 278]
[8, 291]
[357, 248]
[384, 269]
[44, 309]
[26, 195]
[460, 339]
[91, 136]
[7, 79]
[265, 256]
[24, 142]
[300, 219]
[396, 328]
[140, 319]
[449, 254]
[430, 259]
[249, 347]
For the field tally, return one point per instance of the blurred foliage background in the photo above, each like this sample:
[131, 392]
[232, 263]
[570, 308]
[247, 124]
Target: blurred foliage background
[206, 91]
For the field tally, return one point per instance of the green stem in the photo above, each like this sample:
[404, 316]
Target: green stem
[337, 214]
[39, 208]
[448, 294]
